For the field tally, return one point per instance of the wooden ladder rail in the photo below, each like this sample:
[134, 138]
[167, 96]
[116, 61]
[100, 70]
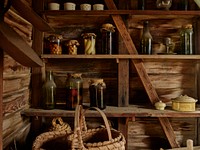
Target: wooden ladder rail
[151, 92]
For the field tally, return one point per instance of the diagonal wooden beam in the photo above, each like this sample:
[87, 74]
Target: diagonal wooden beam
[1, 98]
[153, 96]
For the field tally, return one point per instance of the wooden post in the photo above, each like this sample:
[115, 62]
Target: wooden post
[1, 97]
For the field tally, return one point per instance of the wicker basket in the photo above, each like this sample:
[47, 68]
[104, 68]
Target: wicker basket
[94, 139]
[56, 138]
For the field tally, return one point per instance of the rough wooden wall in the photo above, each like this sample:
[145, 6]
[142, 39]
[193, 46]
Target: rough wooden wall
[16, 92]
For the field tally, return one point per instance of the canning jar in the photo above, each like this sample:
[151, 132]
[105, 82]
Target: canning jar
[97, 93]
[89, 43]
[54, 44]
[72, 47]
[74, 90]
[186, 36]
[106, 38]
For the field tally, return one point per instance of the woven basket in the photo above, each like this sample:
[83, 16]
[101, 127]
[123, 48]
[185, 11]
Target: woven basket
[94, 139]
[56, 138]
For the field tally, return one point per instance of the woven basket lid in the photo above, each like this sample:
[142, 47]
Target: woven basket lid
[184, 98]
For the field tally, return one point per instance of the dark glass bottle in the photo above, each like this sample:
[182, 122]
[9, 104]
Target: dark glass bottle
[106, 38]
[146, 40]
[186, 36]
[141, 4]
[74, 89]
[49, 91]
[97, 93]
[183, 5]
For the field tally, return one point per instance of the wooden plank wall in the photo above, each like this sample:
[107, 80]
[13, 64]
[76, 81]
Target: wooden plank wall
[16, 92]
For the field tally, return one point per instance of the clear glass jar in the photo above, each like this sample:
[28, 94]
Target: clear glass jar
[186, 37]
[146, 40]
[106, 38]
[97, 93]
[49, 91]
[89, 43]
[72, 47]
[54, 44]
[74, 89]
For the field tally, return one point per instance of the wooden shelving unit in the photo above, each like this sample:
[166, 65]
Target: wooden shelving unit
[78, 19]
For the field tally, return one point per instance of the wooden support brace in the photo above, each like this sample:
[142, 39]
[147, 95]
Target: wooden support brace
[153, 96]
[1, 97]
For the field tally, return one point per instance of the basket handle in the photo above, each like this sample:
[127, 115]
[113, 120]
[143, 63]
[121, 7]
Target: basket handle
[80, 115]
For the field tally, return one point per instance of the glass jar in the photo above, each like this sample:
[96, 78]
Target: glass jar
[74, 89]
[164, 4]
[186, 37]
[141, 4]
[54, 44]
[72, 47]
[49, 91]
[97, 93]
[146, 40]
[89, 43]
[106, 39]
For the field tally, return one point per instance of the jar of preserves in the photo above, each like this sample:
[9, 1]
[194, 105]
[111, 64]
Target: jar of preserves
[97, 93]
[74, 90]
[89, 43]
[186, 36]
[49, 91]
[54, 44]
[106, 38]
[72, 47]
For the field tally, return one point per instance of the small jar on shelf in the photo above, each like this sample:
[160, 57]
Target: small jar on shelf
[97, 93]
[54, 44]
[74, 90]
[106, 38]
[89, 43]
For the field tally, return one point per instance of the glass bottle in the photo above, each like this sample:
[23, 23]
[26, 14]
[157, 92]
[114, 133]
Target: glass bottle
[97, 93]
[183, 4]
[89, 43]
[146, 40]
[49, 91]
[186, 36]
[74, 89]
[141, 4]
[106, 39]
[54, 44]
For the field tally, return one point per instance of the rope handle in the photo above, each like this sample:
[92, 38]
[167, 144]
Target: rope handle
[79, 118]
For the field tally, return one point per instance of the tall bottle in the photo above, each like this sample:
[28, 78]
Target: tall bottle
[146, 40]
[49, 91]
[141, 4]
[186, 36]
[74, 89]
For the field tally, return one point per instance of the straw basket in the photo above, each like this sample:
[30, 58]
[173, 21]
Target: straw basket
[94, 139]
[54, 139]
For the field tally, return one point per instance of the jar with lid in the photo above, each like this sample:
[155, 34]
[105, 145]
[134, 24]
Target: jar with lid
[97, 93]
[106, 38]
[89, 43]
[54, 44]
[49, 91]
[72, 47]
[146, 40]
[186, 37]
[74, 90]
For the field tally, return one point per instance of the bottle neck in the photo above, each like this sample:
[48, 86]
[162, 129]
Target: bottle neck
[49, 76]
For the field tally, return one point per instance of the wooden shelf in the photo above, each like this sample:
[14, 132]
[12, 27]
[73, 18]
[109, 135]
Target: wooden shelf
[63, 18]
[111, 111]
[170, 57]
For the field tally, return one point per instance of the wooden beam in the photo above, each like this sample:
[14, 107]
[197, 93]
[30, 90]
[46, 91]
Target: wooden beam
[153, 96]
[17, 48]
[1, 98]
[29, 14]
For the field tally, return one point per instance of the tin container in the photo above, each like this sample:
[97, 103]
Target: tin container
[184, 103]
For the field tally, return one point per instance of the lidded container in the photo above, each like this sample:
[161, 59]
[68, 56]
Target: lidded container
[106, 38]
[89, 43]
[54, 44]
[97, 93]
[72, 47]
[146, 40]
[184, 103]
[186, 36]
[49, 91]
[74, 90]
